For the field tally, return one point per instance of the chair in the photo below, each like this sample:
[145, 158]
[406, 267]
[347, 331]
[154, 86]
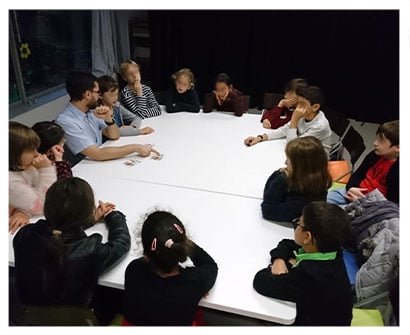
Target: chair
[337, 121]
[272, 99]
[245, 102]
[353, 142]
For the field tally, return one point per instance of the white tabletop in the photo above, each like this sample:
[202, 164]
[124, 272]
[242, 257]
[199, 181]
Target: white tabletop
[214, 184]
[230, 228]
[201, 151]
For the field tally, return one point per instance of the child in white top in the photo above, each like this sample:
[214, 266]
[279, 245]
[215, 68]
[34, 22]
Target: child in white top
[30, 175]
[307, 120]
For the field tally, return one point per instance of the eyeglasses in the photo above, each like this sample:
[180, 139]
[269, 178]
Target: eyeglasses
[296, 223]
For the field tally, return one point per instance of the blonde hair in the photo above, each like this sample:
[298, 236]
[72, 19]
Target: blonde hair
[125, 65]
[309, 174]
[186, 72]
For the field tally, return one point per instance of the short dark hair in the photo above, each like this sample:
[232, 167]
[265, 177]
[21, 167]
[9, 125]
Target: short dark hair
[162, 226]
[313, 94]
[78, 83]
[328, 224]
[69, 204]
[223, 78]
[391, 131]
[50, 134]
[107, 84]
[21, 138]
[292, 84]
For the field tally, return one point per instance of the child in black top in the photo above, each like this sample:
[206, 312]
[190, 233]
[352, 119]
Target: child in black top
[183, 96]
[310, 269]
[158, 291]
[52, 144]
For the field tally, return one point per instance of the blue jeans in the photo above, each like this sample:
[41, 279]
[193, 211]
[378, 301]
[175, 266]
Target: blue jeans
[337, 196]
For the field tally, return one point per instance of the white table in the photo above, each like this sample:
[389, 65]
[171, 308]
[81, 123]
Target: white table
[230, 228]
[214, 184]
[201, 151]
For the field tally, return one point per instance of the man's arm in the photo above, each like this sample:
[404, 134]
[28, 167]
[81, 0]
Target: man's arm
[108, 153]
[112, 132]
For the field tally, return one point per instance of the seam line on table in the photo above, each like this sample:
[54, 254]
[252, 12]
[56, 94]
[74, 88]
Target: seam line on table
[191, 188]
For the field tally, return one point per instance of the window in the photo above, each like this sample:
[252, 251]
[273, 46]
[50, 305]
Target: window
[49, 44]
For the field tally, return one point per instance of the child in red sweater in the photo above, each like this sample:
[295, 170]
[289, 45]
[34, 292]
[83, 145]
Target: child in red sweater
[281, 114]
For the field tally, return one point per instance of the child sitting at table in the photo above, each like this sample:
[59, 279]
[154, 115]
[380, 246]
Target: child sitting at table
[30, 175]
[307, 120]
[224, 97]
[158, 291]
[52, 144]
[56, 263]
[379, 169]
[281, 114]
[182, 97]
[304, 179]
[135, 96]
[128, 122]
[310, 270]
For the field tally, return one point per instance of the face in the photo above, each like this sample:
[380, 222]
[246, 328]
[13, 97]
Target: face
[300, 234]
[132, 75]
[291, 95]
[221, 89]
[383, 147]
[302, 102]
[183, 83]
[27, 158]
[95, 95]
[110, 98]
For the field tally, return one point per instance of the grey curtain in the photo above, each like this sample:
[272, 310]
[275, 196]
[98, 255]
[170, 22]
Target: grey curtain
[109, 41]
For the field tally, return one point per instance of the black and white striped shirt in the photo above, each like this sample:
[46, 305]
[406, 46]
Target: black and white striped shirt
[144, 106]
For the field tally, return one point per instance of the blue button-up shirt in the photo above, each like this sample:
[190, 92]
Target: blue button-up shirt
[82, 130]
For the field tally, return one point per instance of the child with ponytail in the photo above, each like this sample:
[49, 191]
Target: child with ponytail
[158, 291]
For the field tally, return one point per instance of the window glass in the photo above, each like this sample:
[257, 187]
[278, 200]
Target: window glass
[49, 45]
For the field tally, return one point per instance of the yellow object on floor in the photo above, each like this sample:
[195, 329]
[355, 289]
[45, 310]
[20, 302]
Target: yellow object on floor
[366, 318]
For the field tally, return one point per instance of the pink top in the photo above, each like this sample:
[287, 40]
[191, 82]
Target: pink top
[27, 189]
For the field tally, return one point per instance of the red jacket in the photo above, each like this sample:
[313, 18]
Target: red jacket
[277, 116]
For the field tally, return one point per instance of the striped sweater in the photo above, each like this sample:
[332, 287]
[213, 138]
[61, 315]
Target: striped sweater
[144, 106]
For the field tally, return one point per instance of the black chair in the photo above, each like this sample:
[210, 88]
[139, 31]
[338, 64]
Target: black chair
[337, 121]
[353, 143]
[271, 99]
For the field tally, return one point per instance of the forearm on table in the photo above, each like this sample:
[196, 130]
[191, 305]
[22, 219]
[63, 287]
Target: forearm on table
[108, 153]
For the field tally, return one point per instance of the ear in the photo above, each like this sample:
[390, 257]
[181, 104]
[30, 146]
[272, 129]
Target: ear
[316, 107]
[308, 239]
[230, 87]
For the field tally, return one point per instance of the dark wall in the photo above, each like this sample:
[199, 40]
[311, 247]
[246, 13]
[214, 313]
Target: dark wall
[352, 55]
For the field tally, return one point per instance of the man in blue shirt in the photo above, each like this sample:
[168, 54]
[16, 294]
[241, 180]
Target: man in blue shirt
[85, 122]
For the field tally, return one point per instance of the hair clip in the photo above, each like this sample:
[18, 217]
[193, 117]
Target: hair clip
[168, 243]
[154, 244]
[178, 227]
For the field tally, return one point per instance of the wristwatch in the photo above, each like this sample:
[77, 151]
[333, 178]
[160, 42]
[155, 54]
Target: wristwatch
[109, 123]
[261, 137]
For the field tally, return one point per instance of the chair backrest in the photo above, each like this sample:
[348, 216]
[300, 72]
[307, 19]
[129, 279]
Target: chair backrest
[245, 102]
[337, 121]
[272, 99]
[353, 142]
